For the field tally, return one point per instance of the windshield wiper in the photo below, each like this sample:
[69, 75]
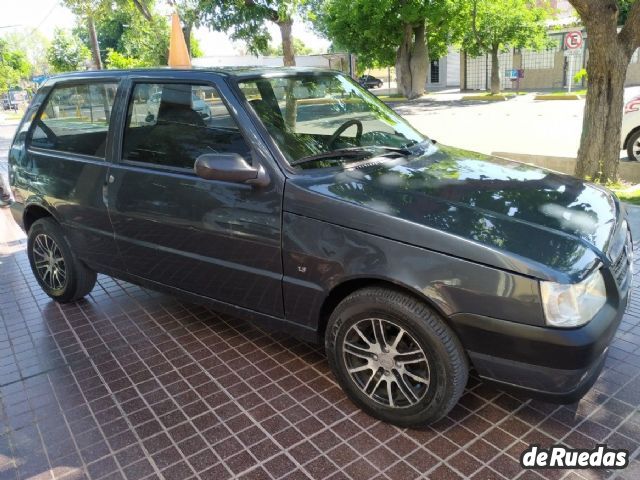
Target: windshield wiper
[348, 152]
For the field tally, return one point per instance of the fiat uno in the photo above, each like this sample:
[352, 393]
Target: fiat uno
[302, 202]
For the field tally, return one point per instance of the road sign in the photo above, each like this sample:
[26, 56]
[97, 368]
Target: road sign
[573, 53]
[573, 40]
[514, 74]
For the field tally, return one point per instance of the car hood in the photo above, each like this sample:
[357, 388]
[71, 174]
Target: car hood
[486, 209]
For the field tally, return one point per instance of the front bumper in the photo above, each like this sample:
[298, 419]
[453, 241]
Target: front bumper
[558, 365]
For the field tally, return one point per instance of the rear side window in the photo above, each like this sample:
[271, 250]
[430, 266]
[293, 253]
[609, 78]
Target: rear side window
[171, 125]
[75, 119]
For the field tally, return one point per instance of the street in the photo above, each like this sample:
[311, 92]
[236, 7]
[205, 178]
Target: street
[520, 125]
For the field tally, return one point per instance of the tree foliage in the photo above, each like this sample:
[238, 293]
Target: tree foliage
[505, 24]
[67, 52]
[373, 30]
[247, 20]
[14, 66]
[493, 26]
[131, 35]
[388, 32]
[299, 47]
[34, 45]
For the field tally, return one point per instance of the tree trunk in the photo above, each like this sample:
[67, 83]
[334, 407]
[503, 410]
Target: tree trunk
[412, 61]
[599, 152]
[186, 32]
[288, 54]
[609, 54]
[495, 71]
[95, 47]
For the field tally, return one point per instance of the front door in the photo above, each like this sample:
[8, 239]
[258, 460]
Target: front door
[213, 238]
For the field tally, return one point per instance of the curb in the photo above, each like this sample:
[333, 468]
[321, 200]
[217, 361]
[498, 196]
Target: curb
[628, 171]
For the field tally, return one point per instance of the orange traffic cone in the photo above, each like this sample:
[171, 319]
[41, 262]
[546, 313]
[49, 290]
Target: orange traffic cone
[178, 53]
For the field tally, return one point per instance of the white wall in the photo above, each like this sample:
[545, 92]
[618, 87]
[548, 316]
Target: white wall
[321, 61]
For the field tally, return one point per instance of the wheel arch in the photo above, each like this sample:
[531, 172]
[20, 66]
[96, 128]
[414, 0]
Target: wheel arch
[35, 212]
[629, 135]
[343, 289]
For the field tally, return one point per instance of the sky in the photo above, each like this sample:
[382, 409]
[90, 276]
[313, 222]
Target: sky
[46, 15]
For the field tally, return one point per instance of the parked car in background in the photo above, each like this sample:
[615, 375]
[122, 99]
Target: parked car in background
[14, 99]
[306, 204]
[369, 81]
[631, 124]
[7, 104]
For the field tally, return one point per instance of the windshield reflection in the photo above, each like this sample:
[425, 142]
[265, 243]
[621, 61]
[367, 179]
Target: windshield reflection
[312, 114]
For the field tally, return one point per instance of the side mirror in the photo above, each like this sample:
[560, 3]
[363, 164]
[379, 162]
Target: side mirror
[229, 167]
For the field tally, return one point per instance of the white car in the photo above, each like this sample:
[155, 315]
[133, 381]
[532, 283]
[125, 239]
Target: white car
[631, 123]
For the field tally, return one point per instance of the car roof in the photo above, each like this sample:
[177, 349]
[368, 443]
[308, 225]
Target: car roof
[178, 73]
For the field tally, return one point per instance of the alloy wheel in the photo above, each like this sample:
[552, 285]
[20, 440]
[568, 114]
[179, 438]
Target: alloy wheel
[636, 150]
[49, 262]
[386, 363]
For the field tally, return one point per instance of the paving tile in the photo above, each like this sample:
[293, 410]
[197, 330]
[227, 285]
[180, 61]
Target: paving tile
[131, 383]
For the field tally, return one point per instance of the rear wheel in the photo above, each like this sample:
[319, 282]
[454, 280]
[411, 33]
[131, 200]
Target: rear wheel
[59, 272]
[395, 357]
[633, 146]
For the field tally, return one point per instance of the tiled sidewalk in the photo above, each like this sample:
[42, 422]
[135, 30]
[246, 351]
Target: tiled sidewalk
[135, 384]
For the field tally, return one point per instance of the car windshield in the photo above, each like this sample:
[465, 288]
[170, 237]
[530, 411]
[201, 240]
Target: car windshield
[324, 119]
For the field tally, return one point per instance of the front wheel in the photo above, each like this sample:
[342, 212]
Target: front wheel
[59, 272]
[633, 147]
[395, 357]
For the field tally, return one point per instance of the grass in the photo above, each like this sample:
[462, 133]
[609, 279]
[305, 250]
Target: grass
[626, 192]
[392, 98]
[565, 92]
[489, 97]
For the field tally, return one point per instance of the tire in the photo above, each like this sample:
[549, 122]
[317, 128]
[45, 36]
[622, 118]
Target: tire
[59, 272]
[633, 146]
[441, 365]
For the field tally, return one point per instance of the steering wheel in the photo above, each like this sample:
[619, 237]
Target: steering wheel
[343, 127]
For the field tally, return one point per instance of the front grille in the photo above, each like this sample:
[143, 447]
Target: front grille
[620, 266]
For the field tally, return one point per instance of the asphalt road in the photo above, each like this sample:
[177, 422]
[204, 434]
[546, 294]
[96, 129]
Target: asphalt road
[521, 125]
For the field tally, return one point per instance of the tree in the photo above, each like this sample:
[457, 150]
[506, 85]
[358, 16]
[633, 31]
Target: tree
[67, 52]
[387, 32]
[14, 66]
[34, 45]
[610, 52]
[89, 11]
[299, 48]
[189, 13]
[247, 19]
[497, 25]
[129, 39]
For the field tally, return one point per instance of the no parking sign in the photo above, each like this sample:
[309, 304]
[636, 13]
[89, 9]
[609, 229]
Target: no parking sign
[573, 40]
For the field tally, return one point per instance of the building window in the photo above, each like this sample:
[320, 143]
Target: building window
[435, 71]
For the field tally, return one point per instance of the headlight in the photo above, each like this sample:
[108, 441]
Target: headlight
[573, 305]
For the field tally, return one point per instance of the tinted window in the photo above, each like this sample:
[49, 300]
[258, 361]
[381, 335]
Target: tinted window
[76, 119]
[173, 124]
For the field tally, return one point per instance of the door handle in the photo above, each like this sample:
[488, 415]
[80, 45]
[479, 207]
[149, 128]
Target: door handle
[111, 179]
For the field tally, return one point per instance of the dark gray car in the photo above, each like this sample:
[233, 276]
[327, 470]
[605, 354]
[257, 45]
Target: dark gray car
[304, 203]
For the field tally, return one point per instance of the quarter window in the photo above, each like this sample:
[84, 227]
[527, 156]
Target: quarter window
[171, 125]
[76, 118]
